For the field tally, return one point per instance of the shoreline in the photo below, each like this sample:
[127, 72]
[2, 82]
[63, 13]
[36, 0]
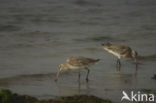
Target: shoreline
[6, 96]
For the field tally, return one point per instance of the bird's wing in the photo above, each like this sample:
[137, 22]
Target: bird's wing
[80, 61]
[119, 49]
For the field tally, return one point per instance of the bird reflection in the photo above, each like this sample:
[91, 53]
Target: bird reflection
[79, 86]
[87, 87]
[136, 70]
[118, 68]
[68, 89]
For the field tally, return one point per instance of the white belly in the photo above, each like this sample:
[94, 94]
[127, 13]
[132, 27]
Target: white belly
[76, 67]
[114, 53]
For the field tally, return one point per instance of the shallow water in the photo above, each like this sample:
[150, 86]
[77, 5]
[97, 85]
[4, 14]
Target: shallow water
[36, 36]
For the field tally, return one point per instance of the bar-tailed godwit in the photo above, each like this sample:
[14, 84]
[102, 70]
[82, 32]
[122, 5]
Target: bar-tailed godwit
[120, 51]
[77, 62]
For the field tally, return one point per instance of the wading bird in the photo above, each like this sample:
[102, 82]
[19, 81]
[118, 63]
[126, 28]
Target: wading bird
[120, 51]
[77, 62]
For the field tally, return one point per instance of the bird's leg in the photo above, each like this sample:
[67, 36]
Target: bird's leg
[119, 62]
[118, 65]
[79, 75]
[135, 61]
[87, 74]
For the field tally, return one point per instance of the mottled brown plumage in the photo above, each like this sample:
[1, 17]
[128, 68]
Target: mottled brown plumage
[77, 62]
[120, 51]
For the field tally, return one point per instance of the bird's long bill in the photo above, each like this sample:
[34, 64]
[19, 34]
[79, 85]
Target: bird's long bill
[57, 76]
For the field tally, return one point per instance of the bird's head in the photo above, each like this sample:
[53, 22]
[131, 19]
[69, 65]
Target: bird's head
[134, 55]
[106, 44]
[60, 68]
